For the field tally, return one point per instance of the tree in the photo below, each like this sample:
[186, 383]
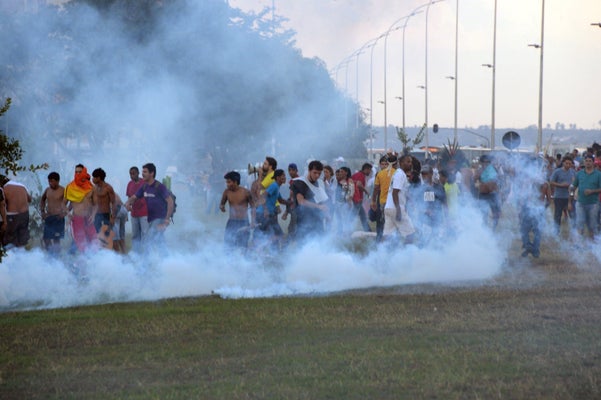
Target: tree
[408, 143]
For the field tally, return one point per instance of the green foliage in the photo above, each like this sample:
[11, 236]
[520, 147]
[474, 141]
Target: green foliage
[408, 143]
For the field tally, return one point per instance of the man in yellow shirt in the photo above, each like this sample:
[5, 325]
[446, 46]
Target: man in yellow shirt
[269, 166]
[388, 165]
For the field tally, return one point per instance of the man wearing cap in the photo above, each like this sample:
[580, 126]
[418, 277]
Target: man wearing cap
[588, 183]
[267, 213]
[388, 166]
[397, 219]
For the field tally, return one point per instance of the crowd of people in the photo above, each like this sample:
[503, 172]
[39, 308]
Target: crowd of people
[409, 201]
[400, 200]
[91, 210]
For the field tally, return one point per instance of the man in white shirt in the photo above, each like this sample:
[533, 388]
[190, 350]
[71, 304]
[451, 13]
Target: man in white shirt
[397, 220]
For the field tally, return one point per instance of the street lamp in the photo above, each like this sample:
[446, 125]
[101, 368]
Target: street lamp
[596, 24]
[539, 139]
[426, 135]
[494, 73]
[371, 86]
[454, 78]
[416, 11]
[492, 129]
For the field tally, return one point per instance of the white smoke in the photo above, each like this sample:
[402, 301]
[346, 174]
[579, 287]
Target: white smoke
[33, 279]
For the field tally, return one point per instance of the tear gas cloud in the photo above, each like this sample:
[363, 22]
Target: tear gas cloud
[193, 84]
[198, 264]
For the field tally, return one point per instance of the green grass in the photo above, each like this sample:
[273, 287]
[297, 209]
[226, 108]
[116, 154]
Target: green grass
[482, 343]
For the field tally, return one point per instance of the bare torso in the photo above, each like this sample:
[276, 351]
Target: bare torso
[17, 198]
[104, 197]
[52, 201]
[239, 199]
[83, 208]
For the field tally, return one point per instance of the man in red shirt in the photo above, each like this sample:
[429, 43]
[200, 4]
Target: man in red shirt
[139, 211]
[359, 178]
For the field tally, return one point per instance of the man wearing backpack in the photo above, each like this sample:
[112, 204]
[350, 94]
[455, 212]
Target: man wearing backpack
[159, 202]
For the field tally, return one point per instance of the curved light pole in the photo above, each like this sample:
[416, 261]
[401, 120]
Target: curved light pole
[371, 90]
[370, 43]
[426, 134]
[392, 28]
[403, 62]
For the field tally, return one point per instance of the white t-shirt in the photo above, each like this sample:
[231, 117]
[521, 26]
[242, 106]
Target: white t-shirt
[399, 181]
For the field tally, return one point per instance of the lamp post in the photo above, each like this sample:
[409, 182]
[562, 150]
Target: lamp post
[385, 84]
[371, 87]
[403, 73]
[539, 138]
[492, 130]
[494, 72]
[456, 77]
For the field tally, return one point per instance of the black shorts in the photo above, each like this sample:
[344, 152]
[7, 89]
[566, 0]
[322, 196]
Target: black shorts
[17, 229]
[54, 227]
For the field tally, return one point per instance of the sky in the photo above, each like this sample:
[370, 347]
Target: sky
[333, 29]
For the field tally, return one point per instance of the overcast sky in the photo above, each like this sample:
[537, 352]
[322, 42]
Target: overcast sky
[334, 29]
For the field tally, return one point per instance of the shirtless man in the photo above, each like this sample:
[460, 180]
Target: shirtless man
[103, 197]
[17, 200]
[78, 201]
[53, 213]
[237, 230]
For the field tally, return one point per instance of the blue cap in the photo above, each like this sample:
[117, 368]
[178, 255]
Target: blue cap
[292, 166]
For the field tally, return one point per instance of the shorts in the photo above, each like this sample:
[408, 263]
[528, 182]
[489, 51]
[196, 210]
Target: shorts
[101, 219]
[237, 233]
[17, 229]
[54, 227]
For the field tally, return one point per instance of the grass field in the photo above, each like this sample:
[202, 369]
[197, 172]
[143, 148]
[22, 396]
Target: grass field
[498, 341]
[530, 333]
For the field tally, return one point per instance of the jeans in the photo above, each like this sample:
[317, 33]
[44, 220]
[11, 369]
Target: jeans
[586, 216]
[530, 223]
[358, 209]
[139, 229]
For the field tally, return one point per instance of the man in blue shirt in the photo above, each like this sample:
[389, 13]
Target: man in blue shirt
[267, 213]
[159, 202]
[588, 183]
[560, 180]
